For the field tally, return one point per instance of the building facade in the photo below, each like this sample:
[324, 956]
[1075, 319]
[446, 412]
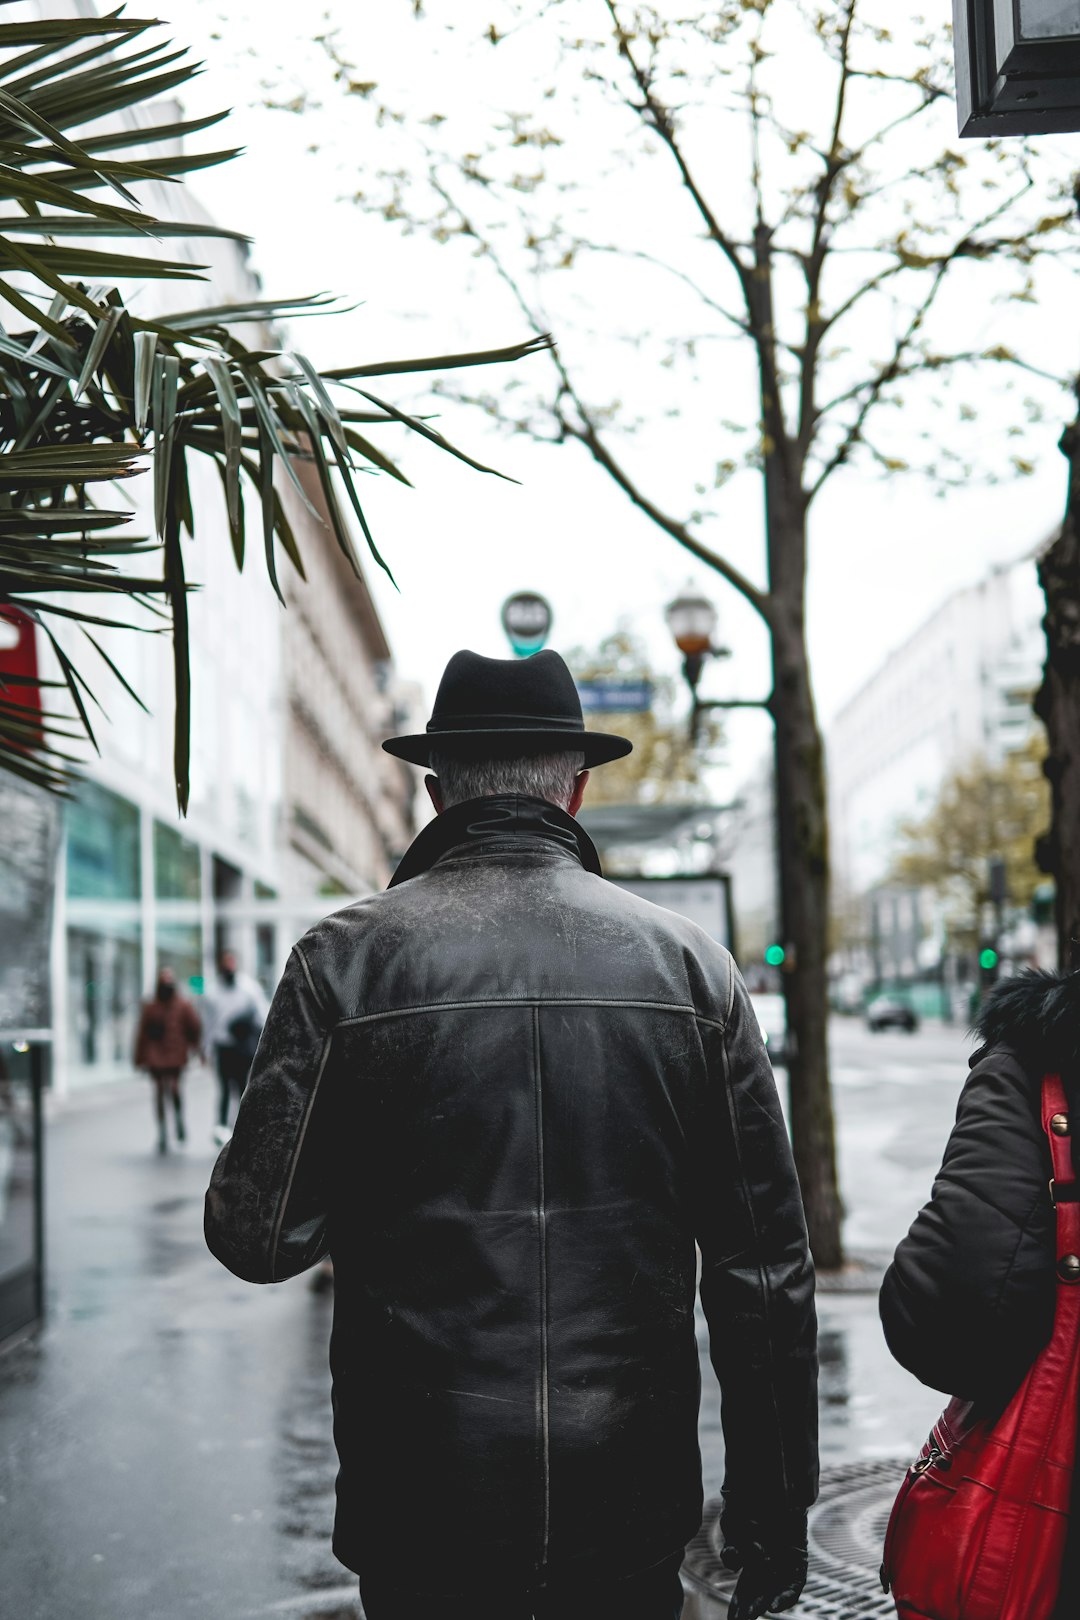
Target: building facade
[292, 801]
[348, 806]
[960, 687]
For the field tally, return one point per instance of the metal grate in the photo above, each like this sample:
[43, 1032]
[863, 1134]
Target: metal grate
[847, 1529]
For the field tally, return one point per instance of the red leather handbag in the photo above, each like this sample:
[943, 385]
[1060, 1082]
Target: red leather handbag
[978, 1530]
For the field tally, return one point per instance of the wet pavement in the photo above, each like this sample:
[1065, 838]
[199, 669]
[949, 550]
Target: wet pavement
[165, 1445]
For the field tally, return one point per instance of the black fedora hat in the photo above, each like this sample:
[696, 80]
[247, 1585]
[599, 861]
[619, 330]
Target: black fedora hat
[502, 707]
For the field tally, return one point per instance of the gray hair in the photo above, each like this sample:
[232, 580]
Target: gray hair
[542, 776]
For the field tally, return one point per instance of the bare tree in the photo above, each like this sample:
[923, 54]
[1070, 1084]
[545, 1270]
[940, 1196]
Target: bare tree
[782, 169]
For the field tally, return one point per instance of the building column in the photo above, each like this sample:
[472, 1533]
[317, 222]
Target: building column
[58, 970]
[206, 914]
[147, 901]
[245, 930]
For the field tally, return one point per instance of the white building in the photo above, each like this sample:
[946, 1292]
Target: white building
[291, 799]
[959, 687]
[348, 806]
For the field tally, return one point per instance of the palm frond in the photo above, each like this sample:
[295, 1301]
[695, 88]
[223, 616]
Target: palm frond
[92, 394]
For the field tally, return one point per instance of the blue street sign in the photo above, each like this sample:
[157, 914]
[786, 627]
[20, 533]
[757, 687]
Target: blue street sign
[617, 697]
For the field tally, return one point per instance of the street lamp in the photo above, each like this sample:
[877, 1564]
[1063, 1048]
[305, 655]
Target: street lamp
[692, 621]
[1017, 66]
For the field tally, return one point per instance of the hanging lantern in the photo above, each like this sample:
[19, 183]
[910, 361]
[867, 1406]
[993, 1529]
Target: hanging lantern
[1017, 66]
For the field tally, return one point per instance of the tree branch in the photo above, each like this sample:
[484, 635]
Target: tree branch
[876, 385]
[580, 244]
[586, 432]
[943, 362]
[660, 120]
[889, 372]
[873, 285]
[587, 435]
[835, 163]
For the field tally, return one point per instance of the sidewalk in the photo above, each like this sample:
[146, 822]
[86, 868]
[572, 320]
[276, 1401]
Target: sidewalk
[165, 1445]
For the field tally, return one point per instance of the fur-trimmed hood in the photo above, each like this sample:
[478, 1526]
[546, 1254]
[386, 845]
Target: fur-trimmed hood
[1037, 1014]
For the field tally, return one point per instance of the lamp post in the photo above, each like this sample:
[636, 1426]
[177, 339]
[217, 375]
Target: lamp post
[692, 620]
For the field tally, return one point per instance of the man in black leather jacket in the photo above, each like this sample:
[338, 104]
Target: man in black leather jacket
[509, 1098]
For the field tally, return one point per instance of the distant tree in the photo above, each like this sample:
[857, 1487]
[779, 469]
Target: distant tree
[981, 812]
[665, 766]
[774, 185]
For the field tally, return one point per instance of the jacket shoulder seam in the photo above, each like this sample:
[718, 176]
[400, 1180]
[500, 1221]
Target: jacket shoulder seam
[529, 1001]
[306, 970]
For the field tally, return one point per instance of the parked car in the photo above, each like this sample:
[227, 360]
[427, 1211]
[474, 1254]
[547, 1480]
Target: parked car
[772, 1020]
[885, 1012]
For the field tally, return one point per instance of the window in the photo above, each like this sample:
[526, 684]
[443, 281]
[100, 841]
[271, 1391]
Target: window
[102, 845]
[176, 864]
[179, 946]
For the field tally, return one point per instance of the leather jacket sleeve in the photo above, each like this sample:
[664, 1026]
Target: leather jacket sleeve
[266, 1207]
[757, 1282]
[969, 1298]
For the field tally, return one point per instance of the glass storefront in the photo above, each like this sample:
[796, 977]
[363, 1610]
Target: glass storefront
[104, 936]
[104, 991]
[135, 903]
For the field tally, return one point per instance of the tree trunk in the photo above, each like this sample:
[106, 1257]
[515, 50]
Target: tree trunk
[803, 862]
[802, 818]
[1058, 706]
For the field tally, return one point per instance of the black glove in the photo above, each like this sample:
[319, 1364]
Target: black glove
[772, 1559]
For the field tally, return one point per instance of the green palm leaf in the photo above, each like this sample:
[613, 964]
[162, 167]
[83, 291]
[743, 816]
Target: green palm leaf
[90, 394]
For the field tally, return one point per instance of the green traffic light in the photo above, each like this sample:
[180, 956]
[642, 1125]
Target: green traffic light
[775, 955]
[988, 959]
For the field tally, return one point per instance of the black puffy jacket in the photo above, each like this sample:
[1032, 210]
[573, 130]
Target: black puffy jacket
[968, 1301]
[508, 1097]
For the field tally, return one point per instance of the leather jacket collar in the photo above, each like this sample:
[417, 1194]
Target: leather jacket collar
[508, 820]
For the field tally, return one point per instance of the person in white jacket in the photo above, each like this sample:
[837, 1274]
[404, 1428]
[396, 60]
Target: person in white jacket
[236, 1014]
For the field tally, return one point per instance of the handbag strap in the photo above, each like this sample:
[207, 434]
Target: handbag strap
[1064, 1187]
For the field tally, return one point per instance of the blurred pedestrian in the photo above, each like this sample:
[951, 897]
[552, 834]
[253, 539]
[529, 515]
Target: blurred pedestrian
[969, 1299]
[235, 1019]
[169, 1032]
[507, 1097]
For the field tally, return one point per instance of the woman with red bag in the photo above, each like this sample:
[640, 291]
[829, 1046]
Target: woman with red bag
[980, 1304]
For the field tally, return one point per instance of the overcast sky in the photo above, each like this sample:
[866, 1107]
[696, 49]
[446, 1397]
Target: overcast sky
[883, 553]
